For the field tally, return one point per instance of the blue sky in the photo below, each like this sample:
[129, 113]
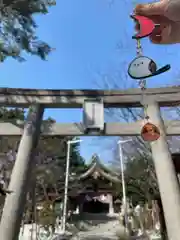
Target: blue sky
[92, 39]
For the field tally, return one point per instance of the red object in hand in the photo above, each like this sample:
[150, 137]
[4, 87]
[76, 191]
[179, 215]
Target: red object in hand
[145, 26]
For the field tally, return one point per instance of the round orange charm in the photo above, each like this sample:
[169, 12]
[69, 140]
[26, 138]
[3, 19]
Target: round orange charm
[150, 132]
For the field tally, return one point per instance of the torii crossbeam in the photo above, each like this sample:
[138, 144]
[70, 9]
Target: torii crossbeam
[38, 100]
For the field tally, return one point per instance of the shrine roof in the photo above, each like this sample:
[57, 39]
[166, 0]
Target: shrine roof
[97, 169]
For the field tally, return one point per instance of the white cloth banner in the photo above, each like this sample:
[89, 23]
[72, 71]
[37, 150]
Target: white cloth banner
[103, 199]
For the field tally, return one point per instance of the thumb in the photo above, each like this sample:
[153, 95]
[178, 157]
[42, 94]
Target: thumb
[150, 9]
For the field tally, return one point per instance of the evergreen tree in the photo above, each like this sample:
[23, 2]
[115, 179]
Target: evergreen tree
[18, 28]
[50, 161]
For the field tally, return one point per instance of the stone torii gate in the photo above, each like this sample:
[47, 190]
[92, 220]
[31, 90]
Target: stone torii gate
[38, 100]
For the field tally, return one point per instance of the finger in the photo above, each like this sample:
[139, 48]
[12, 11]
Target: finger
[162, 35]
[157, 31]
[157, 8]
[156, 39]
[156, 36]
[159, 19]
[160, 40]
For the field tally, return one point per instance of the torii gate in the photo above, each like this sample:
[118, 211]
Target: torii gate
[38, 100]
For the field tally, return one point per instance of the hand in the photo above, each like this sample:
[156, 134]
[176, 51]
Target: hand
[167, 14]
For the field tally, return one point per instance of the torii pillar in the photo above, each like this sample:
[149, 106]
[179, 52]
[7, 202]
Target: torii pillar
[21, 174]
[166, 175]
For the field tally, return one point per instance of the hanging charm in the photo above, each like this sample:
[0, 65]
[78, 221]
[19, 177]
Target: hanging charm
[145, 26]
[144, 67]
[150, 132]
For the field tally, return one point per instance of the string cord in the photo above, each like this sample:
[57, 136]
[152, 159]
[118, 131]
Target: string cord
[138, 48]
[142, 82]
[142, 85]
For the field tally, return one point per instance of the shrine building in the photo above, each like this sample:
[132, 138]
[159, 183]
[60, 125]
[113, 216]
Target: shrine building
[99, 190]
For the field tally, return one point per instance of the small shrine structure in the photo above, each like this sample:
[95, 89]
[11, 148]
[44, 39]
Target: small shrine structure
[99, 189]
